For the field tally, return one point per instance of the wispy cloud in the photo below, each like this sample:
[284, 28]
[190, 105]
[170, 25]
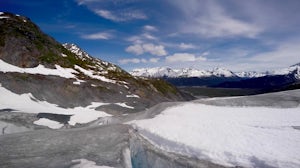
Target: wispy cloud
[121, 16]
[184, 57]
[82, 2]
[139, 49]
[150, 28]
[185, 46]
[213, 21]
[98, 36]
[114, 10]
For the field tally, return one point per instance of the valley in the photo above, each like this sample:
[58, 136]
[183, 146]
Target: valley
[61, 107]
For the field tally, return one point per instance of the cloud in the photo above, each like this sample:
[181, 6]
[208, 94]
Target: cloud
[143, 38]
[121, 16]
[184, 57]
[154, 60]
[98, 36]
[139, 49]
[185, 46]
[149, 36]
[136, 49]
[212, 20]
[136, 60]
[126, 61]
[150, 28]
[82, 2]
[115, 10]
[157, 50]
[284, 55]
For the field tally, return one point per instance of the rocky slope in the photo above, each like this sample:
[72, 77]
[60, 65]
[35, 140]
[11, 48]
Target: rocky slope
[65, 75]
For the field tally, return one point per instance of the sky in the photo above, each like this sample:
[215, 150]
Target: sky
[239, 35]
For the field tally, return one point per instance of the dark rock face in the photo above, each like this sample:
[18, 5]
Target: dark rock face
[22, 42]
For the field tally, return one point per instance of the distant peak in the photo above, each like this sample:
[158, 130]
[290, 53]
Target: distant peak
[298, 64]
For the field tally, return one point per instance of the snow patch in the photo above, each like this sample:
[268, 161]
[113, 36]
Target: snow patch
[90, 73]
[63, 55]
[78, 82]
[25, 104]
[124, 105]
[230, 136]
[84, 163]
[40, 69]
[4, 17]
[1, 13]
[133, 95]
[48, 123]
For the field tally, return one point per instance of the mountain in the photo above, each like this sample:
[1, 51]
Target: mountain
[184, 72]
[189, 76]
[283, 79]
[31, 62]
[217, 77]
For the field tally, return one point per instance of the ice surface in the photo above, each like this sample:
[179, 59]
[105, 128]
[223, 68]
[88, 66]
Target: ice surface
[59, 71]
[83, 163]
[230, 136]
[8, 128]
[48, 123]
[57, 148]
[28, 104]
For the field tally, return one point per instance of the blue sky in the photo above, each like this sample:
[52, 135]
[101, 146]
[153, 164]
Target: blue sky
[239, 35]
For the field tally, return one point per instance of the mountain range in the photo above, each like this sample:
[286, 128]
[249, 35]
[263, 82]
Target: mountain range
[160, 72]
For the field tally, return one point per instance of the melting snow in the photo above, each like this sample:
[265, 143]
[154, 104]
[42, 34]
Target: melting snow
[133, 95]
[78, 82]
[230, 136]
[124, 105]
[84, 163]
[59, 71]
[4, 17]
[63, 55]
[25, 104]
[48, 123]
[90, 73]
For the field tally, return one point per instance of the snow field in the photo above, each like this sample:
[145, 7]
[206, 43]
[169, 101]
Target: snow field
[230, 136]
[25, 103]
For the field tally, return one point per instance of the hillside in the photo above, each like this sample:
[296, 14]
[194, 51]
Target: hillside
[65, 75]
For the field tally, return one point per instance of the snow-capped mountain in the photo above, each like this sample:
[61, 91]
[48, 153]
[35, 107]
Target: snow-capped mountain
[250, 74]
[159, 72]
[184, 72]
[294, 69]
